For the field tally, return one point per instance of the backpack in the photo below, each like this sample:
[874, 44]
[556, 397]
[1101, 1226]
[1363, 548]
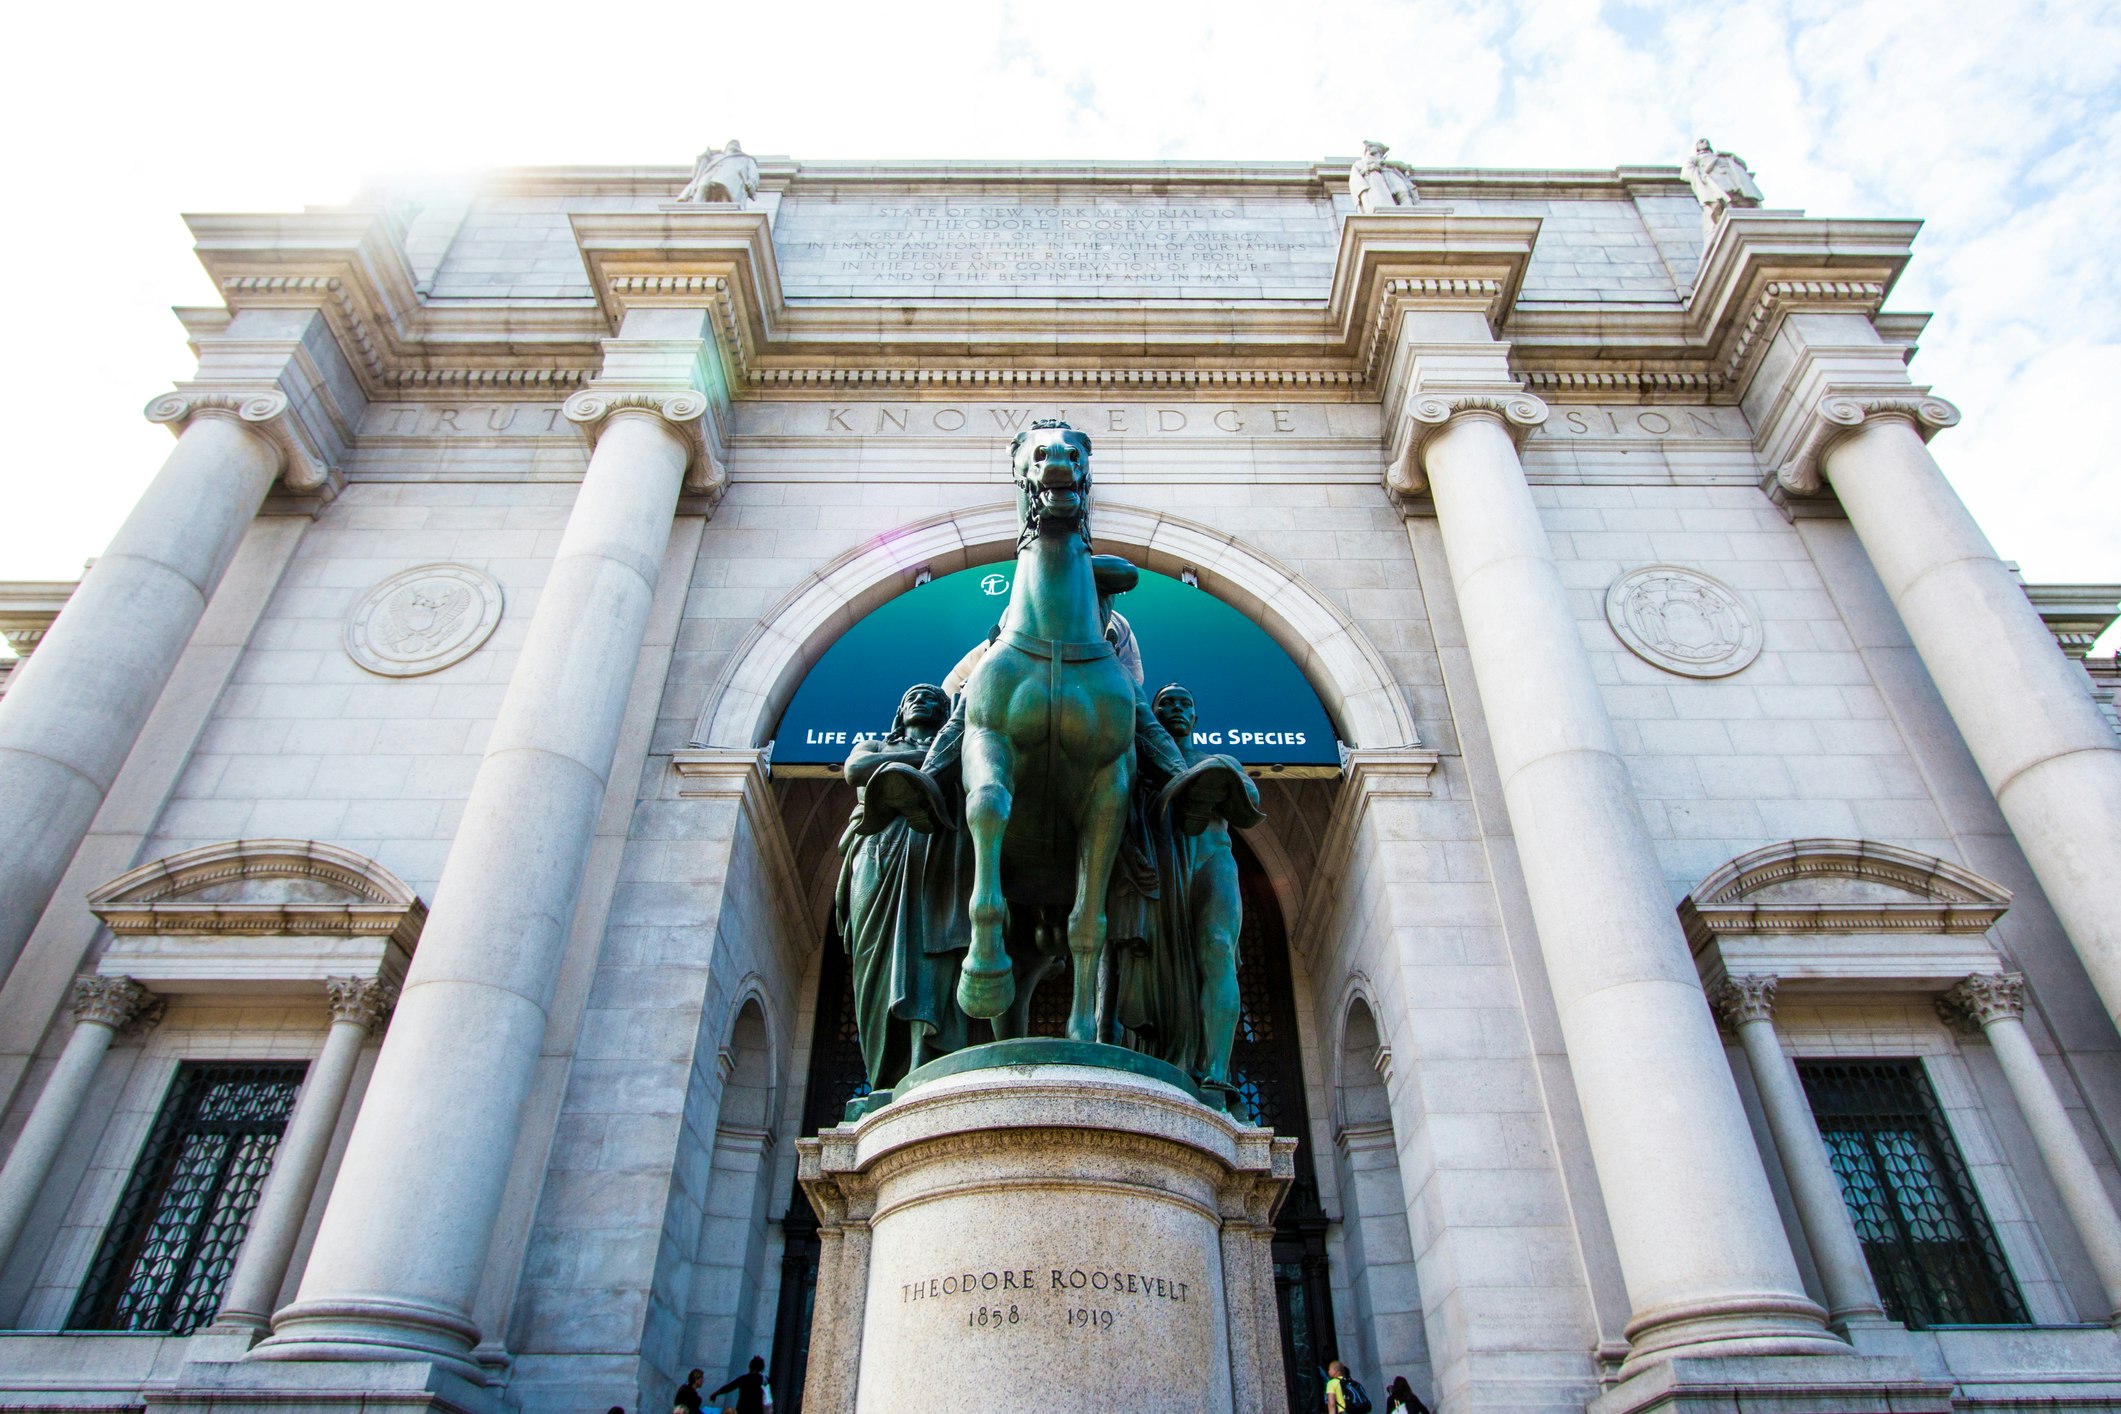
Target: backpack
[1354, 1396]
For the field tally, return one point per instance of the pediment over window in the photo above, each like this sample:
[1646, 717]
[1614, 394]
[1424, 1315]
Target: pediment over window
[269, 912]
[1846, 910]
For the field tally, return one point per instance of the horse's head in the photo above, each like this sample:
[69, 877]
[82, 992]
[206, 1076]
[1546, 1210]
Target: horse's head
[1052, 465]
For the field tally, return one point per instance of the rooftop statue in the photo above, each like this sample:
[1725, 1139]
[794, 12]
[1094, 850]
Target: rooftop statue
[1378, 183]
[1720, 180]
[725, 174]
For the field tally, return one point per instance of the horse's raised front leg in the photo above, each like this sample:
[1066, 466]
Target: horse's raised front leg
[1097, 845]
[986, 986]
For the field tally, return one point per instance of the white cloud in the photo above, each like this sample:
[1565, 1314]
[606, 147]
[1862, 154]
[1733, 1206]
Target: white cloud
[1999, 124]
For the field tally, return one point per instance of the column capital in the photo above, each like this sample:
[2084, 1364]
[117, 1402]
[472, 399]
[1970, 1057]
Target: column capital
[1428, 414]
[1838, 414]
[1982, 1000]
[365, 1001]
[683, 411]
[117, 1002]
[1738, 1000]
[264, 412]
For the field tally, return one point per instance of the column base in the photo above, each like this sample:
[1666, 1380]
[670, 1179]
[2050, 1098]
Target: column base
[1768, 1324]
[320, 1387]
[1846, 1383]
[374, 1330]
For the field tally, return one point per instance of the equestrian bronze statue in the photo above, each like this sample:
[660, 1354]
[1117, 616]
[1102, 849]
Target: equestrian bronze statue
[1051, 760]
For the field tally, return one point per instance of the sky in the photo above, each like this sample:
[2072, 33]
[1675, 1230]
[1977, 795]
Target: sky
[1997, 123]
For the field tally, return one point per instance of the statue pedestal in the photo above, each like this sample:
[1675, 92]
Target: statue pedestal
[1045, 1224]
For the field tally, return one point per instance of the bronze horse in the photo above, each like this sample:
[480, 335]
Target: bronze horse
[1048, 754]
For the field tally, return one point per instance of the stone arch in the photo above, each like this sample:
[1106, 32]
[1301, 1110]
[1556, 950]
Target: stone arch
[1350, 676]
[1376, 1236]
[729, 1264]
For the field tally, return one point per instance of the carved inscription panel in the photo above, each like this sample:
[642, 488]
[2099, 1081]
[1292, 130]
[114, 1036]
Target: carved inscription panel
[1111, 1291]
[1149, 247]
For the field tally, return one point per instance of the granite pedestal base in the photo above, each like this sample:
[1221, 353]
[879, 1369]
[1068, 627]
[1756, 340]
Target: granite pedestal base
[1036, 1228]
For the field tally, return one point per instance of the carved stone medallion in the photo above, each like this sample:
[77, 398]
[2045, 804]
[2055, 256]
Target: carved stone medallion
[1683, 621]
[422, 620]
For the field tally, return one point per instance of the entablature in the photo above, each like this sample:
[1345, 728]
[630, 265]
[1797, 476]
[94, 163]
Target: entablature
[1759, 267]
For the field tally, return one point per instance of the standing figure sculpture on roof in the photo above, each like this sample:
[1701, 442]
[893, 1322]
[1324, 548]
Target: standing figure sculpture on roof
[727, 173]
[1720, 180]
[1378, 183]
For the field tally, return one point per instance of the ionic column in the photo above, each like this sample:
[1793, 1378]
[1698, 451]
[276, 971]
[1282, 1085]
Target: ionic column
[357, 1003]
[2042, 745]
[398, 1258]
[103, 1007]
[74, 709]
[1996, 1004]
[1707, 1266]
[1747, 1005]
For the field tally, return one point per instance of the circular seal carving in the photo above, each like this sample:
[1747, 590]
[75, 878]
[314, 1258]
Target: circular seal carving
[1683, 621]
[422, 620]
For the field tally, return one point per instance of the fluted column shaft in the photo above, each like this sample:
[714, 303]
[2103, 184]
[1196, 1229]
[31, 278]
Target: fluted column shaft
[103, 1006]
[397, 1260]
[1997, 1005]
[72, 713]
[2034, 731]
[1701, 1247]
[1747, 1004]
[276, 1224]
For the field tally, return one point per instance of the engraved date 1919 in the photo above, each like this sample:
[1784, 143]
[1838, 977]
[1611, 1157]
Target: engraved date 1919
[1088, 1319]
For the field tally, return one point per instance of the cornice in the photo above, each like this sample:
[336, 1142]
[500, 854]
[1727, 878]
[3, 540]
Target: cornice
[1759, 268]
[2076, 614]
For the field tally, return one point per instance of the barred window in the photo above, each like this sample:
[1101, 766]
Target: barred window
[1930, 1247]
[166, 1256]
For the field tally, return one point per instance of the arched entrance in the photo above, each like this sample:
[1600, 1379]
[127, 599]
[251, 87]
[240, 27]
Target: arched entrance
[1266, 1063]
[1366, 708]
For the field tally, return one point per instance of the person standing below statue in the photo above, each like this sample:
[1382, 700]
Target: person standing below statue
[1380, 184]
[1211, 795]
[725, 174]
[1720, 180]
[900, 906]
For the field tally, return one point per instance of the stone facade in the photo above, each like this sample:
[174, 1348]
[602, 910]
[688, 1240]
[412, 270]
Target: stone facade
[439, 670]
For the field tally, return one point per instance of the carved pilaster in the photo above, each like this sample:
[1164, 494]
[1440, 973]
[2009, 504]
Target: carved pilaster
[1741, 999]
[265, 413]
[685, 413]
[361, 1000]
[1983, 999]
[120, 1003]
[1430, 413]
[1838, 415]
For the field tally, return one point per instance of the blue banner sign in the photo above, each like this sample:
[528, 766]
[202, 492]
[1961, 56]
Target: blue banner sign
[1255, 703]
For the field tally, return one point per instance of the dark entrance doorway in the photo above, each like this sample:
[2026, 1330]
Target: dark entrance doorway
[1268, 1068]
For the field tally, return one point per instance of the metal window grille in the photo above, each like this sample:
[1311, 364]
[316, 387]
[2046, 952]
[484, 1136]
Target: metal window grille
[1928, 1241]
[166, 1256]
